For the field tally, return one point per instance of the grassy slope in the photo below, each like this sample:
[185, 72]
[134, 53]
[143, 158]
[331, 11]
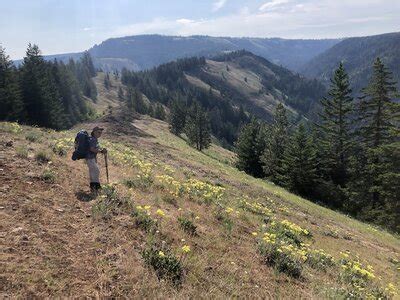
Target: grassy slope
[235, 78]
[55, 245]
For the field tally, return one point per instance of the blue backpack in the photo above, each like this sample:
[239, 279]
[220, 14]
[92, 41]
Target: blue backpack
[81, 145]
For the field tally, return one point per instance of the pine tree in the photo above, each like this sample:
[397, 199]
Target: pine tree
[275, 145]
[299, 163]
[39, 91]
[197, 127]
[379, 130]
[249, 148]
[159, 112]
[107, 81]
[11, 104]
[336, 137]
[379, 113]
[177, 118]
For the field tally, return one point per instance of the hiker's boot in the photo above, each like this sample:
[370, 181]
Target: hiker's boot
[93, 187]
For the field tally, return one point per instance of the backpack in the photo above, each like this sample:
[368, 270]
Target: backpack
[81, 145]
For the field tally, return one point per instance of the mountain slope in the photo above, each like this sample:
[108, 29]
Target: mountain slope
[226, 86]
[147, 51]
[58, 241]
[358, 55]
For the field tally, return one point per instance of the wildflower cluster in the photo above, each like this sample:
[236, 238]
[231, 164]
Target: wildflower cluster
[11, 127]
[354, 272]
[281, 245]
[255, 207]
[143, 219]
[62, 145]
[319, 259]
[193, 188]
[127, 156]
[174, 187]
[203, 190]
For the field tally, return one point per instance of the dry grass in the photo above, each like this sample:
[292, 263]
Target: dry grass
[52, 246]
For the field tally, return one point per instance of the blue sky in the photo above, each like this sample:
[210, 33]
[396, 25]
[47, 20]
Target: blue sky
[72, 26]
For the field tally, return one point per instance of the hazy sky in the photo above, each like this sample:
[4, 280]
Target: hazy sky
[72, 26]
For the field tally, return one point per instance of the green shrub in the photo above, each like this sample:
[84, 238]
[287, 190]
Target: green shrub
[109, 203]
[32, 136]
[140, 182]
[144, 220]
[284, 260]
[165, 264]
[320, 260]
[43, 156]
[21, 151]
[222, 216]
[187, 225]
[48, 175]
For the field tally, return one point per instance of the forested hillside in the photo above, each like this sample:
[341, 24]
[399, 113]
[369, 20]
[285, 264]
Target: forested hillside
[229, 87]
[46, 93]
[348, 160]
[357, 55]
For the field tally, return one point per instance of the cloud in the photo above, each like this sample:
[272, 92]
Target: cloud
[218, 5]
[184, 21]
[273, 5]
[286, 19]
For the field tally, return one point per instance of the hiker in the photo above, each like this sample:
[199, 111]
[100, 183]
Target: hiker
[91, 158]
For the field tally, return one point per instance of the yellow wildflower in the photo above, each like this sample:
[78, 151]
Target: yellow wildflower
[186, 249]
[160, 213]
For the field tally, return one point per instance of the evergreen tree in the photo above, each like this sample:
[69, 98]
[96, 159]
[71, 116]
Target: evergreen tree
[39, 92]
[299, 164]
[135, 102]
[107, 81]
[87, 63]
[249, 148]
[379, 113]
[197, 127]
[379, 130]
[159, 112]
[11, 104]
[336, 137]
[177, 118]
[272, 156]
[85, 71]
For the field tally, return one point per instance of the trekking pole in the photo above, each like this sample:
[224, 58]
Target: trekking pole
[106, 161]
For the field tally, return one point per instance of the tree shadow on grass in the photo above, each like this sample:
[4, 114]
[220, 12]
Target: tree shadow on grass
[85, 196]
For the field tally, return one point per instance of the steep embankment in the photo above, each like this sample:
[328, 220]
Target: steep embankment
[57, 240]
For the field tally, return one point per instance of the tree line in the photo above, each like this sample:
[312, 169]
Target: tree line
[348, 160]
[48, 94]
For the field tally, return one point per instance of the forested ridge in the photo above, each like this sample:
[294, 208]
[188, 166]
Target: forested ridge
[227, 105]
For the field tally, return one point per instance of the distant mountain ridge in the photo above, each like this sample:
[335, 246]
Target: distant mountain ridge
[358, 55]
[143, 52]
[146, 51]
